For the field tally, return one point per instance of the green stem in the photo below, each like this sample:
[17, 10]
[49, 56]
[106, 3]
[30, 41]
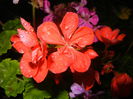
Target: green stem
[33, 14]
[130, 46]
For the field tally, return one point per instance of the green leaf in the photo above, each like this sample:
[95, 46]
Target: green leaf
[63, 95]
[12, 25]
[5, 43]
[13, 85]
[34, 93]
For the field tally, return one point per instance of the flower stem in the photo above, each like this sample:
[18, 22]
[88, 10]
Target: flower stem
[33, 14]
[130, 46]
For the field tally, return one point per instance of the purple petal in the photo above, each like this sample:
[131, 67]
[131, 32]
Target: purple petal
[46, 6]
[84, 12]
[83, 2]
[77, 89]
[83, 22]
[92, 13]
[75, 5]
[72, 95]
[49, 17]
[94, 19]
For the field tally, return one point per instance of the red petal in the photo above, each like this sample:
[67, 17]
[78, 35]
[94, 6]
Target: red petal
[42, 72]
[58, 62]
[49, 33]
[69, 24]
[115, 34]
[81, 61]
[20, 47]
[98, 35]
[27, 68]
[97, 77]
[15, 38]
[26, 25]
[37, 54]
[106, 32]
[92, 54]
[83, 36]
[27, 38]
[121, 37]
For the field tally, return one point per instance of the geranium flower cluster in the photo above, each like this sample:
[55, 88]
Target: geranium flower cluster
[64, 42]
[69, 39]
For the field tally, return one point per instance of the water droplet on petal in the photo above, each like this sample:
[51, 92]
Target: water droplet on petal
[66, 27]
[48, 33]
[20, 35]
[25, 24]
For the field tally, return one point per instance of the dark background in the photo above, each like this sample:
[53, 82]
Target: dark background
[104, 8]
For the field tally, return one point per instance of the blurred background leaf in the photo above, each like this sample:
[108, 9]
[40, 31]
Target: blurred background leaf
[63, 95]
[9, 80]
[5, 43]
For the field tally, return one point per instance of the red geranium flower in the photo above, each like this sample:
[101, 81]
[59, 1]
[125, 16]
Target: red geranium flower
[87, 79]
[69, 38]
[121, 85]
[109, 36]
[33, 63]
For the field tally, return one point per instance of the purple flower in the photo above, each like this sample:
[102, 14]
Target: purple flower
[84, 12]
[77, 90]
[46, 5]
[83, 2]
[49, 17]
[94, 19]
[88, 18]
[83, 22]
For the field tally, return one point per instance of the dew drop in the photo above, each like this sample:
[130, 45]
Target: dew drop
[25, 24]
[66, 27]
[21, 35]
[48, 33]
